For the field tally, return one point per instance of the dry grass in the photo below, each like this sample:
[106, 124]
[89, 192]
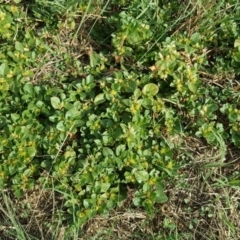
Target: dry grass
[33, 213]
[202, 205]
[66, 42]
[205, 206]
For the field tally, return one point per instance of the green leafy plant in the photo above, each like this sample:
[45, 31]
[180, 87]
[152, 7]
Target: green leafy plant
[91, 120]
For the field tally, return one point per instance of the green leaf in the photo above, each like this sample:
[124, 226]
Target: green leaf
[210, 137]
[147, 103]
[86, 203]
[237, 43]
[146, 187]
[94, 59]
[55, 101]
[127, 102]
[39, 104]
[161, 197]
[71, 154]
[150, 89]
[192, 87]
[131, 86]
[137, 93]
[235, 182]
[15, 117]
[92, 117]
[236, 138]
[141, 176]
[105, 187]
[72, 114]
[119, 162]
[60, 126]
[212, 107]
[31, 151]
[53, 118]
[18, 191]
[78, 123]
[72, 3]
[46, 164]
[136, 201]
[28, 88]
[148, 204]
[107, 123]
[107, 152]
[178, 128]
[3, 121]
[196, 37]
[4, 69]
[19, 47]
[120, 148]
[134, 38]
[100, 98]
[233, 116]
[89, 79]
